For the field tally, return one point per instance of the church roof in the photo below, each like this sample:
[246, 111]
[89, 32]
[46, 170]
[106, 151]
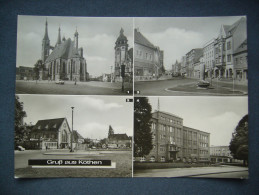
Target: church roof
[76, 136]
[49, 124]
[119, 136]
[140, 39]
[65, 50]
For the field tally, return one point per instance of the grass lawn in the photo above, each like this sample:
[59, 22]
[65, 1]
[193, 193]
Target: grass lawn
[123, 168]
[155, 165]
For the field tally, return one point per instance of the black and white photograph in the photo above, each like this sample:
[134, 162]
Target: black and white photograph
[190, 56]
[74, 55]
[73, 136]
[191, 137]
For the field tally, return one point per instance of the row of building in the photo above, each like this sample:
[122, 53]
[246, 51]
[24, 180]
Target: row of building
[56, 134]
[224, 56]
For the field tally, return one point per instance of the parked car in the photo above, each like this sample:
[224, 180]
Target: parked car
[20, 148]
[60, 82]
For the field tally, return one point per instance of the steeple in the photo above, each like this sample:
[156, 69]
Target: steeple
[76, 39]
[46, 37]
[45, 44]
[59, 37]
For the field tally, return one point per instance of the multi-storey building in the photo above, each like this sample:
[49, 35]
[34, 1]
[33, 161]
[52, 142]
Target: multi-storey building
[192, 57]
[229, 39]
[25, 73]
[172, 141]
[240, 62]
[208, 54]
[148, 59]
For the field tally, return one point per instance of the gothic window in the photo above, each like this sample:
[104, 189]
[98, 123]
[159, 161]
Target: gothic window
[64, 136]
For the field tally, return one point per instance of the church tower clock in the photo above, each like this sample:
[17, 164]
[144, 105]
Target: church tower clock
[121, 52]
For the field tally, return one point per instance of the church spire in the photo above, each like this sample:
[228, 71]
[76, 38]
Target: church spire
[46, 37]
[59, 37]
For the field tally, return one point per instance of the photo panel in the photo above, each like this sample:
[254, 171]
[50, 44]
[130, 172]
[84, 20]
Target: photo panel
[190, 56]
[74, 55]
[191, 137]
[73, 136]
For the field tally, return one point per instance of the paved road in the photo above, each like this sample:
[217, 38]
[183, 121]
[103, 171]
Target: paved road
[222, 172]
[186, 86]
[81, 88]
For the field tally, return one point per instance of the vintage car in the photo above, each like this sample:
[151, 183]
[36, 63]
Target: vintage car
[60, 82]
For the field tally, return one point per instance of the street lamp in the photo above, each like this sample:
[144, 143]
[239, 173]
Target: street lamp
[71, 139]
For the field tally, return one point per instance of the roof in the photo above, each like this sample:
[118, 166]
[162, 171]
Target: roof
[49, 124]
[119, 136]
[242, 47]
[140, 39]
[65, 50]
[230, 29]
[76, 135]
[122, 37]
[166, 113]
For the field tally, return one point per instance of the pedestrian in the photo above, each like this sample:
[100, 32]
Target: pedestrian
[75, 81]
[46, 147]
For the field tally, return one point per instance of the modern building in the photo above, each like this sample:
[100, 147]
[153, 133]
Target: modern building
[172, 141]
[63, 61]
[50, 133]
[123, 56]
[222, 154]
[148, 58]
[227, 42]
[240, 63]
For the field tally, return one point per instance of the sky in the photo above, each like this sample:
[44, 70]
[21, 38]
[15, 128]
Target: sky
[92, 114]
[178, 35]
[218, 116]
[97, 36]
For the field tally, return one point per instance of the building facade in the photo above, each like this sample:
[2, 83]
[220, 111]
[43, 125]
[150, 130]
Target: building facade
[209, 58]
[221, 154]
[148, 59]
[50, 133]
[25, 73]
[63, 61]
[240, 63]
[229, 39]
[123, 56]
[172, 141]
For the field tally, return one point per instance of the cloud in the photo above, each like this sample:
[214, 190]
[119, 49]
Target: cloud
[100, 105]
[94, 130]
[175, 42]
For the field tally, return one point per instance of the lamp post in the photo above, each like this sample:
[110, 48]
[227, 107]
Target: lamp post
[71, 138]
[111, 74]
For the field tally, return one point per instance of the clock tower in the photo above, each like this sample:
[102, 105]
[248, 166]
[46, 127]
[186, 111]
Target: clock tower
[121, 55]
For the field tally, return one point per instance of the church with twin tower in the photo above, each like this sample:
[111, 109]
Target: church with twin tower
[63, 61]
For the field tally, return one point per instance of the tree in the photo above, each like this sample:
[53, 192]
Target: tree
[239, 142]
[21, 132]
[37, 67]
[142, 127]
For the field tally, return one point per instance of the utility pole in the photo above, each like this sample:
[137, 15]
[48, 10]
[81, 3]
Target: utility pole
[71, 139]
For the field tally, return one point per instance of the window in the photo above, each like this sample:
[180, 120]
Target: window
[229, 58]
[152, 159]
[142, 159]
[162, 159]
[228, 45]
